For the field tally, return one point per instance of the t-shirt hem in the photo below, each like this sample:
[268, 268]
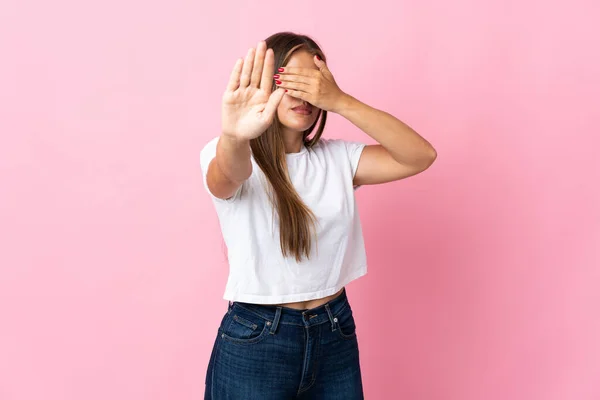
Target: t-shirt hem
[289, 298]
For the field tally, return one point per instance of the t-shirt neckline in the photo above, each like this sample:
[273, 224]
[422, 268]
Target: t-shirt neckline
[302, 151]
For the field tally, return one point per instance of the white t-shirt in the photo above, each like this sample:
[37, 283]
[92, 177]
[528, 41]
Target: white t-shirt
[258, 272]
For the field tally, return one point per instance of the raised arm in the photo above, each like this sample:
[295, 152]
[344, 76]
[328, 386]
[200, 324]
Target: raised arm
[248, 109]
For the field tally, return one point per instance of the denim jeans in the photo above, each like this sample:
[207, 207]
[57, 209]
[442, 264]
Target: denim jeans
[269, 352]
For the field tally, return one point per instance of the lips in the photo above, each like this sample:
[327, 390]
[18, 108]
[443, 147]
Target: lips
[303, 109]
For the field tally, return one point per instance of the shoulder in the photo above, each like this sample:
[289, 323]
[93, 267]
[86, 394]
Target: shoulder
[340, 146]
[347, 152]
[210, 146]
[329, 142]
[328, 145]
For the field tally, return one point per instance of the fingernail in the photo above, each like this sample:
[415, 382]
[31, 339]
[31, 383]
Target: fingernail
[278, 82]
[280, 69]
[276, 76]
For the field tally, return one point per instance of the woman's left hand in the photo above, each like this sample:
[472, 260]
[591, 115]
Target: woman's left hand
[314, 86]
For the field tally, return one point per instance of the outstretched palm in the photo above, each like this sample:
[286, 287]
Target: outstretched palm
[249, 105]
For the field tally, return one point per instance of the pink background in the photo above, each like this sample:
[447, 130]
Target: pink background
[483, 271]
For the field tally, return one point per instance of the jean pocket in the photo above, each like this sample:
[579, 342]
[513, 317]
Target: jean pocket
[345, 325]
[244, 327]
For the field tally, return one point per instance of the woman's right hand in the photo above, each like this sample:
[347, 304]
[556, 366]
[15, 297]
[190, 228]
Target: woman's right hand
[249, 105]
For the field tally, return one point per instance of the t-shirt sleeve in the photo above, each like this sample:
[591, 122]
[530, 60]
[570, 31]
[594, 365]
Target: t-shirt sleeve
[354, 151]
[208, 152]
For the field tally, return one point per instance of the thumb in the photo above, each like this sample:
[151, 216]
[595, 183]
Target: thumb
[320, 63]
[272, 104]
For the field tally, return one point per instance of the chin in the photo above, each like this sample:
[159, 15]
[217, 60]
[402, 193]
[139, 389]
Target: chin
[300, 125]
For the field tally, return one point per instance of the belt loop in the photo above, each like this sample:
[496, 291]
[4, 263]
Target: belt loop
[229, 306]
[333, 320]
[275, 321]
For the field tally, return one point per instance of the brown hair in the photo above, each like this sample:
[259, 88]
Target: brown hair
[296, 220]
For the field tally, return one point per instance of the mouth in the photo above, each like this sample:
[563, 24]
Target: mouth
[303, 110]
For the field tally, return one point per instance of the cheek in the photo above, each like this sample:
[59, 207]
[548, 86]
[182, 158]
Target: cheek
[280, 112]
[284, 105]
[286, 101]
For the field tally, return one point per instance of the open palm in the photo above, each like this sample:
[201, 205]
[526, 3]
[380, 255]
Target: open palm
[249, 104]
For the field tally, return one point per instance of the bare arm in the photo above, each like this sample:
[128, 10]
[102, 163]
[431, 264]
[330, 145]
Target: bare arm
[230, 167]
[248, 109]
[401, 151]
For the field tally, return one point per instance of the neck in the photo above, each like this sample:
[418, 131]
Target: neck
[293, 142]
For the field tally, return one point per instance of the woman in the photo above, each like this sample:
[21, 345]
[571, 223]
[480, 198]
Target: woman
[286, 206]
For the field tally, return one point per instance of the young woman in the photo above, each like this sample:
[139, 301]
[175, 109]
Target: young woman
[285, 201]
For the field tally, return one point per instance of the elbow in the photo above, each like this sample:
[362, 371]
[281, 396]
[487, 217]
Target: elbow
[429, 158]
[433, 155]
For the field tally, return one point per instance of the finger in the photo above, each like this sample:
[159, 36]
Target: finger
[259, 59]
[296, 78]
[298, 94]
[234, 78]
[312, 72]
[247, 69]
[320, 63]
[266, 80]
[272, 104]
[295, 86]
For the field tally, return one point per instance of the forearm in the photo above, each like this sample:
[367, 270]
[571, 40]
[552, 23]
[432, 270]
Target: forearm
[233, 158]
[404, 144]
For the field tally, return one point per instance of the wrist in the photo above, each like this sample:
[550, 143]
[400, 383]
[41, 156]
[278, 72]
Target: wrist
[234, 140]
[344, 102]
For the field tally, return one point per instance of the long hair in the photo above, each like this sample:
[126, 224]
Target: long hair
[296, 220]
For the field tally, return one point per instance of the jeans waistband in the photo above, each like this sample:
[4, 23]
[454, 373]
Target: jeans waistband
[285, 315]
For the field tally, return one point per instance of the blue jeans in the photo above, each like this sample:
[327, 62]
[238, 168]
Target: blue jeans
[269, 352]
